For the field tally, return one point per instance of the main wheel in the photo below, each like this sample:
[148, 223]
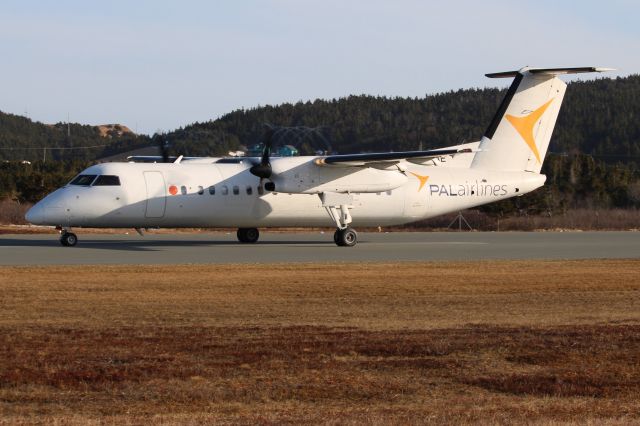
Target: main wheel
[68, 239]
[336, 237]
[347, 237]
[248, 235]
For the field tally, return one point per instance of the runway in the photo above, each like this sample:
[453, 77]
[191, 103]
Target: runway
[220, 247]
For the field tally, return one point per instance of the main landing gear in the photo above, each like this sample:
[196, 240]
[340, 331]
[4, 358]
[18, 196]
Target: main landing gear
[337, 206]
[68, 239]
[347, 237]
[248, 235]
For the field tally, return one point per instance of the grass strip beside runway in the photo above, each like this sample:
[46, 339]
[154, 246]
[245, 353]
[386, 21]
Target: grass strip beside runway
[515, 341]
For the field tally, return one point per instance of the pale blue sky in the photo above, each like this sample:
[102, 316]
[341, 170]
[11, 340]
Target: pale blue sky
[158, 65]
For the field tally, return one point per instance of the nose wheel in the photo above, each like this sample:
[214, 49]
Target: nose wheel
[347, 237]
[68, 239]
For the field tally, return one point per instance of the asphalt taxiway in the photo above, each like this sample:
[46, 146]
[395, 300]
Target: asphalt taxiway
[220, 247]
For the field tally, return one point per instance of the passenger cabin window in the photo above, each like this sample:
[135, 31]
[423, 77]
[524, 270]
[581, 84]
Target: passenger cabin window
[249, 190]
[236, 190]
[183, 190]
[212, 190]
[107, 180]
[200, 190]
[83, 180]
[225, 190]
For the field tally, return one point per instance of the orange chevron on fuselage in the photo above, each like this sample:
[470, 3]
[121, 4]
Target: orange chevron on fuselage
[422, 179]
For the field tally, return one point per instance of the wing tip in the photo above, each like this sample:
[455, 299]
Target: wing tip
[605, 69]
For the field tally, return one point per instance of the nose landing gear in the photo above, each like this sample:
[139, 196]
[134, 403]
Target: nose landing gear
[68, 239]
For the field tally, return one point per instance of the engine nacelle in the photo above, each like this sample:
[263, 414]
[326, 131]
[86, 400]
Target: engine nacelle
[308, 178]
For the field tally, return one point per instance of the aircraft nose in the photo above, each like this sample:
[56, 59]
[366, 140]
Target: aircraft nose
[35, 214]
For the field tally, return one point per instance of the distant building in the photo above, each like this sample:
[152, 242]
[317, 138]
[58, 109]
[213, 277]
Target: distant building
[288, 151]
[282, 151]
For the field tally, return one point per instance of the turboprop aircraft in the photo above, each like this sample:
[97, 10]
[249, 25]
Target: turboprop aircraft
[377, 189]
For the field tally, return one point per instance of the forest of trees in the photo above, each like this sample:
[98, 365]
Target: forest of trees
[592, 161]
[23, 139]
[598, 117]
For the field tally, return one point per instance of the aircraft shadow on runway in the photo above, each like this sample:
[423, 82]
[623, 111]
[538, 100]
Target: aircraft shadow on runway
[150, 245]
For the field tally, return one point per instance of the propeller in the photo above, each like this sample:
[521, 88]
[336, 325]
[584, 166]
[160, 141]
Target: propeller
[263, 168]
[165, 149]
[163, 145]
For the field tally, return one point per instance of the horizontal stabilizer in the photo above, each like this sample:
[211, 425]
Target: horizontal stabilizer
[549, 71]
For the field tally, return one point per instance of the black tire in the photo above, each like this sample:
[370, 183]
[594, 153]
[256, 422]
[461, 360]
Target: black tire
[68, 239]
[252, 235]
[248, 235]
[347, 237]
[336, 237]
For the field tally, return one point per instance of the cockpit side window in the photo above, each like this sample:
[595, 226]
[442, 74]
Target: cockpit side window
[83, 180]
[107, 180]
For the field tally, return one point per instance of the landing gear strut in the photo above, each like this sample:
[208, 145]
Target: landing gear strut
[248, 235]
[68, 239]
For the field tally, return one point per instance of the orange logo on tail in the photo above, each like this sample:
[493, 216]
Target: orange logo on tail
[422, 179]
[524, 125]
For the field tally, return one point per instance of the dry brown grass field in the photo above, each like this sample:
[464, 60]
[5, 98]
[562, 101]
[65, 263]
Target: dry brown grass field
[513, 342]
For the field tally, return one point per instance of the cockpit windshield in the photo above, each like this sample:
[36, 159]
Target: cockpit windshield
[95, 180]
[83, 180]
[107, 180]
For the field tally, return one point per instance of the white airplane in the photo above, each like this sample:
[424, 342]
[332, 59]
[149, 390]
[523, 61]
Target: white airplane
[379, 189]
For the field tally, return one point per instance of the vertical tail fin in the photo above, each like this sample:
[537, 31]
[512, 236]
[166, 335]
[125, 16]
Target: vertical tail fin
[518, 136]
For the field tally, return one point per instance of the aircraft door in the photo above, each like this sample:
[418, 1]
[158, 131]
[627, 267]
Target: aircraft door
[156, 195]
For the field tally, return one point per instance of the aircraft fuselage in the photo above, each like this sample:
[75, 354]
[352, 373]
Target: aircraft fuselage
[228, 195]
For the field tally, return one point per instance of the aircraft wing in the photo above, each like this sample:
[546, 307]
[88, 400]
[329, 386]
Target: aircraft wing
[383, 160]
[157, 158]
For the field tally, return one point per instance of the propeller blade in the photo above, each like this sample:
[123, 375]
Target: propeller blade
[263, 169]
[165, 153]
[163, 146]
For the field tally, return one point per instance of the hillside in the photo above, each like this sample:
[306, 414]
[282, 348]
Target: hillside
[113, 130]
[23, 139]
[598, 117]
